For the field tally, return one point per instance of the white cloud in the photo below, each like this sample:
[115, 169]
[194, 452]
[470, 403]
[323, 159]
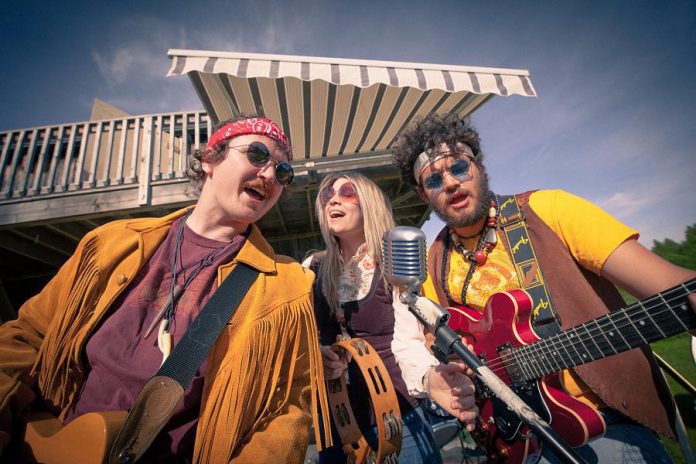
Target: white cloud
[627, 203]
[592, 130]
[142, 56]
[659, 204]
[130, 63]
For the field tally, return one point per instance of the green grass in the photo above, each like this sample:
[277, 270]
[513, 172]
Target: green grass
[676, 351]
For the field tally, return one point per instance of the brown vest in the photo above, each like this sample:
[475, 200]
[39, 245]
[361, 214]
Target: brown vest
[372, 319]
[630, 382]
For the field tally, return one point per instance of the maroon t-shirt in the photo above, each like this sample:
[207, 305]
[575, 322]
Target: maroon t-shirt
[120, 360]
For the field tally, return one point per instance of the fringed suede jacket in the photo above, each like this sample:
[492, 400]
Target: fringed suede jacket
[264, 371]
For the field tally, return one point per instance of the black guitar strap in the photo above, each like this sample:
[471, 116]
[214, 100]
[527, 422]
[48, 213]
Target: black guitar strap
[513, 224]
[157, 401]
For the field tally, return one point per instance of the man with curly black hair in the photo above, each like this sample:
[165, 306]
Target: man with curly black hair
[575, 254]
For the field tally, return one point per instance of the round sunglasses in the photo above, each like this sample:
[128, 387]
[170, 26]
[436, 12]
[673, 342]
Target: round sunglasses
[460, 169]
[259, 156]
[346, 192]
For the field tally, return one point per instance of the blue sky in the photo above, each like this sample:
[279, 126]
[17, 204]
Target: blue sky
[614, 121]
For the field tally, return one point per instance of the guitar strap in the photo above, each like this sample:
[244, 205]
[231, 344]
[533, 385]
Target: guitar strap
[513, 224]
[163, 393]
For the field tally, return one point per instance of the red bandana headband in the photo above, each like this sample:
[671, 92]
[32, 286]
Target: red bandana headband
[258, 126]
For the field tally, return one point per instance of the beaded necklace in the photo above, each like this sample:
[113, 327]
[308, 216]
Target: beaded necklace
[487, 240]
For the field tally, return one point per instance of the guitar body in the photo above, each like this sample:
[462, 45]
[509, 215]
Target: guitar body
[504, 325]
[87, 439]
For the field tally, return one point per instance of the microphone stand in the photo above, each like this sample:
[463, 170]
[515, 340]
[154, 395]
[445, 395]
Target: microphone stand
[435, 318]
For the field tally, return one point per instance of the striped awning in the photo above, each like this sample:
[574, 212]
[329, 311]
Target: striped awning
[332, 106]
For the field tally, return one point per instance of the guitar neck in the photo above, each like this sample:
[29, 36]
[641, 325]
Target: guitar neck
[666, 314]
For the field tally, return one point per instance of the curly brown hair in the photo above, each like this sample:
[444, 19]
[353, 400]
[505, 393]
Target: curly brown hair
[429, 132]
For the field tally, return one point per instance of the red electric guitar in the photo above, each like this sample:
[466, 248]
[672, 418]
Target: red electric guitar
[505, 341]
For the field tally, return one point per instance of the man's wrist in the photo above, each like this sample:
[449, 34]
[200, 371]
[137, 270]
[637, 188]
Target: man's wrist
[425, 382]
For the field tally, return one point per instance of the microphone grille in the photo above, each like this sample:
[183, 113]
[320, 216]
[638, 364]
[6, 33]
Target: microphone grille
[404, 256]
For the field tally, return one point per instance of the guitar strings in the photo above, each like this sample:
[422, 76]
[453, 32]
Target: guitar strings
[538, 346]
[603, 325]
[523, 356]
[633, 308]
[540, 357]
[597, 332]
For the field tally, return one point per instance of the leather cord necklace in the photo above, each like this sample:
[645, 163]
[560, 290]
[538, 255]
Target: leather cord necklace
[165, 316]
[487, 240]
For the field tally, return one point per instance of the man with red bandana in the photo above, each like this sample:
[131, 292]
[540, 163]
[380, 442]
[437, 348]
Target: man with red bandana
[110, 317]
[582, 253]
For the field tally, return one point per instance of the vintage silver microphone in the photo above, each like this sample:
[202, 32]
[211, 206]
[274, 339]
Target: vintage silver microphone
[405, 266]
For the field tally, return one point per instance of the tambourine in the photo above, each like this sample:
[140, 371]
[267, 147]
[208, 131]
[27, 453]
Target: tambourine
[384, 404]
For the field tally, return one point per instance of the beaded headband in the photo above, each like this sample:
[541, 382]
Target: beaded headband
[258, 126]
[426, 158]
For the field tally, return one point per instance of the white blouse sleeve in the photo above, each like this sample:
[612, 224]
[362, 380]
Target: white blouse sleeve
[408, 346]
[308, 261]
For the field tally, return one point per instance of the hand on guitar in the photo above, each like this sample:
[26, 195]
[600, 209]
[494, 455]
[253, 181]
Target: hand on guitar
[451, 388]
[334, 364]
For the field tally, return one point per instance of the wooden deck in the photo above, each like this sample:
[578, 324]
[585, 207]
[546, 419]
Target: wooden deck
[58, 182]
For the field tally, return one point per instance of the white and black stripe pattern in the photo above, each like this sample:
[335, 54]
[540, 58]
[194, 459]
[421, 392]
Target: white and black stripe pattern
[336, 106]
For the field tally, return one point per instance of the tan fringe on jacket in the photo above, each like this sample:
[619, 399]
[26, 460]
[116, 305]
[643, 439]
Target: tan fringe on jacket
[273, 341]
[58, 361]
[318, 384]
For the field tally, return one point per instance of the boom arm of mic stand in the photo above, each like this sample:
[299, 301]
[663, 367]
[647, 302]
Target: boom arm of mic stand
[434, 318]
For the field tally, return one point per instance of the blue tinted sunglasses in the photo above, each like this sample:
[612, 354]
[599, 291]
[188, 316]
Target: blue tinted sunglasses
[460, 169]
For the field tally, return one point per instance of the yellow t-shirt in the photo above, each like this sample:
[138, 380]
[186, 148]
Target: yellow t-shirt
[589, 233]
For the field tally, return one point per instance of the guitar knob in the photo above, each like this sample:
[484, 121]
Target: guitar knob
[485, 427]
[504, 451]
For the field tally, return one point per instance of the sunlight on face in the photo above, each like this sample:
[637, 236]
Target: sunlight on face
[343, 212]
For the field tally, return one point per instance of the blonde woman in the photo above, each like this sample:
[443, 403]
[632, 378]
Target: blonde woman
[351, 297]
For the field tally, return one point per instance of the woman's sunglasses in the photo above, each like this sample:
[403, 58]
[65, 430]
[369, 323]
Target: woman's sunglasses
[346, 192]
[460, 169]
[259, 156]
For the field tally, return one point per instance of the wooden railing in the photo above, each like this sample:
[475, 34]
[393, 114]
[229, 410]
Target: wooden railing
[94, 156]
[92, 168]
